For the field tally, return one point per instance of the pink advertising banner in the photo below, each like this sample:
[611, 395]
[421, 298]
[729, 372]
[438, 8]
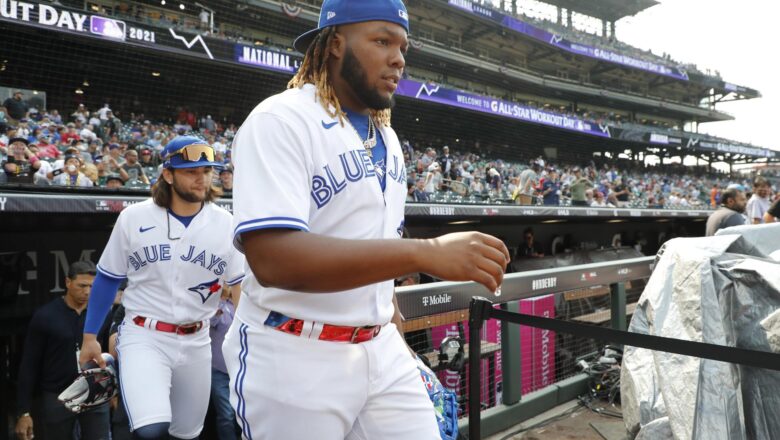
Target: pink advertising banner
[537, 346]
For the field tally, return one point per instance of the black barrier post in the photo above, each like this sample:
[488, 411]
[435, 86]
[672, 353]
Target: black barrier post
[618, 297]
[479, 311]
[511, 384]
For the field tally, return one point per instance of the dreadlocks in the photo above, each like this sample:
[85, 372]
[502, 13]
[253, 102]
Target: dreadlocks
[314, 70]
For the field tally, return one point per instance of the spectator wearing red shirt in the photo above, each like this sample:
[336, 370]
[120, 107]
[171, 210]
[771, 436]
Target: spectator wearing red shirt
[70, 135]
[191, 121]
[47, 150]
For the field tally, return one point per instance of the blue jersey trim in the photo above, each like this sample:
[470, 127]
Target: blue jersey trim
[101, 297]
[299, 224]
[239, 384]
[271, 226]
[111, 274]
[235, 281]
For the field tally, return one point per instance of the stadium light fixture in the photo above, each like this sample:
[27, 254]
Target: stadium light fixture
[79, 91]
[162, 2]
[155, 74]
[85, 83]
[181, 6]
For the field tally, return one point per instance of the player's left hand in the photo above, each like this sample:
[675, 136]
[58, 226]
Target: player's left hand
[90, 351]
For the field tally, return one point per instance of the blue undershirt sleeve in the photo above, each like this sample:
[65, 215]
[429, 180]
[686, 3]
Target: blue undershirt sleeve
[100, 300]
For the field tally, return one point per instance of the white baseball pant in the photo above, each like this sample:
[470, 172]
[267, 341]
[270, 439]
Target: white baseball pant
[284, 386]
[165, 377]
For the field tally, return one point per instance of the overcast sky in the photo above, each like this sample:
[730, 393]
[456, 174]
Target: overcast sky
[737, 38]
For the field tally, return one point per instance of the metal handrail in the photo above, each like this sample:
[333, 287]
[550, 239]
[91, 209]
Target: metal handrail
[443, 297]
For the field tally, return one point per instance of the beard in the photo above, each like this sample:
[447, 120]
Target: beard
[187, 196]
[354, 74]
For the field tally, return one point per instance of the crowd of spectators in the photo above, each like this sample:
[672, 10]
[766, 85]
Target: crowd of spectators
[470, 178]
[87, 148]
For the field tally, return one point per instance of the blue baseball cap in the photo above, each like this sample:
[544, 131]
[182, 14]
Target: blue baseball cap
[174, 154]
[337, 12]
[737, 186]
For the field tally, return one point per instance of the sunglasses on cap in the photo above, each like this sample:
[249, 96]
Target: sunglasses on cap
[194, 153]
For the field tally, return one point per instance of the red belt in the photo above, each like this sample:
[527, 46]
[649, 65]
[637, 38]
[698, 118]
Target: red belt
[335, 333]
[179, 329]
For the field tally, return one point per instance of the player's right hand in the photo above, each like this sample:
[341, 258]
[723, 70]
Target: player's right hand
[90, 351]
[24, 428]
[467, 256]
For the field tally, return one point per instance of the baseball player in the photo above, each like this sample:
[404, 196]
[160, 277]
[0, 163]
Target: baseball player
[319, 199]
[175, 251]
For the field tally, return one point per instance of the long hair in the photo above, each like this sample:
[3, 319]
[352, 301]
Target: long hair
[314, 70]
[162, 192]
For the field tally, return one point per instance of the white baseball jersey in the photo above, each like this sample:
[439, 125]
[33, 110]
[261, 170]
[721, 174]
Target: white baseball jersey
[298, 168]
[173, 275]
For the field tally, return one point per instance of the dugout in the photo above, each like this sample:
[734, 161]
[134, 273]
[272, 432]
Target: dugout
[44, 230]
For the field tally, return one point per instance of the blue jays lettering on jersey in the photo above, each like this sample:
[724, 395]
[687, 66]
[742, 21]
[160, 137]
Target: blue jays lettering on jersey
[172, 279]
[357, 165]
[140, 258]
[320, 180]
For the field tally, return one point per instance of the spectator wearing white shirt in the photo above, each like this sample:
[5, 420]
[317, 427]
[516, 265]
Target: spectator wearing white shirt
[219, 146]
[80, 114]
[526, 185]
[204, 19]
[94, 121]
[87, 133]
[599, 201]
[23, 130]
[230, 132]
[71, 176]
[476, 186]
[103, 112]
[759, 202]
[433, 178]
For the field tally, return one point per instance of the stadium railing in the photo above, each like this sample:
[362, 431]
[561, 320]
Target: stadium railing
[508, 400]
